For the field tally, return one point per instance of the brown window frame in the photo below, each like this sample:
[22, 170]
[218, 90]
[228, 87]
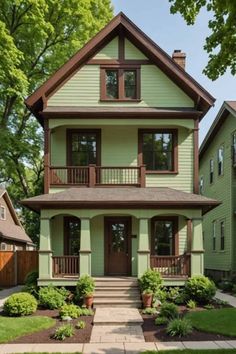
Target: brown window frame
[174, 152]
[175, 240]
[121, 83]
[89, 131]
[66, 221]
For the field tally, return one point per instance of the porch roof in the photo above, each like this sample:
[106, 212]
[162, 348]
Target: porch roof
[130, 197]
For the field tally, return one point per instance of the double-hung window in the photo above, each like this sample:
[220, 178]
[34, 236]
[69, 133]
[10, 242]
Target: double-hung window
[211, 171]
[214, 235]
[164, 236]
[2, 212]
[234, 149]
[221, 160]
[222, 235]
[201, 185]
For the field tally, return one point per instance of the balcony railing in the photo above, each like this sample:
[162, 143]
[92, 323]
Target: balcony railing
[65, 266]
[92, 176]
[171, 266]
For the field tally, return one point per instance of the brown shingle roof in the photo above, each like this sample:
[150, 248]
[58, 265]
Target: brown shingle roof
[83, 198]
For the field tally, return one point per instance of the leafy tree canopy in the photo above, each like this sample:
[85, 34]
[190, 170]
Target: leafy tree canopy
[36, 38]
[221, 44]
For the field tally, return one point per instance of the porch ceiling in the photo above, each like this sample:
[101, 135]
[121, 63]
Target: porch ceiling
[135, 198]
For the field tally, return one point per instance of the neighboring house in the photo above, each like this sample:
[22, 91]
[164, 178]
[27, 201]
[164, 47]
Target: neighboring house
[12, 234]
[218, 180]
[120, 120]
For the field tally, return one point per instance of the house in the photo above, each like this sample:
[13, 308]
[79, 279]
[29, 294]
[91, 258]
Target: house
[218, 180]
[120, 123]
[12, 234]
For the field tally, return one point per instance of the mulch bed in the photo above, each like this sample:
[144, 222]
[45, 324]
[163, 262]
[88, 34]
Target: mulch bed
[80, 336]
[153, 333]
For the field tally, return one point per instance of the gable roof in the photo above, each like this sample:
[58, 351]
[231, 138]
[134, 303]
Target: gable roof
[121, 24]
[7, 228]
[226, 108]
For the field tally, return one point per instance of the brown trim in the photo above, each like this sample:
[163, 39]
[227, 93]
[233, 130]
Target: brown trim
[85, 251]
[174, 153]
[143, 252]
[47, 143]
[127, 62]
[189, 235]
[121, 47]
[175, 240]
[198, 251]
[196, 157]
[66, 221]
[45, 251]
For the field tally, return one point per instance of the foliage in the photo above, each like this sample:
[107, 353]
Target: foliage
[219, 321]
[64, 331]
[169, 310]
[221, 44]
[148, 292]
[191, 304]
[150, 279]
[20, 304]
[220, 302]
[71, 310]
[149, 311]
[31, 285]
[80, 325]
[36, 38]
[12, 328]
[179, 327]
[85, 286]
[160, 320]
[200, 289]
[209, 307]
[226, 285]
[86, 312]
[176, 295]
[51, 297]
[160, 295]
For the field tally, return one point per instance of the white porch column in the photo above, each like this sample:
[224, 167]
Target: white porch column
[143, 247]
[85, 247]
[45, 251]
[197, 251]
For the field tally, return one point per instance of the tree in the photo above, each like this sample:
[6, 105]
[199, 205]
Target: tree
[221, 44]
[36, 38]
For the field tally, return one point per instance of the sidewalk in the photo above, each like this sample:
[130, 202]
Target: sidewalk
[225, 297]
[4, 294]
[112, 348]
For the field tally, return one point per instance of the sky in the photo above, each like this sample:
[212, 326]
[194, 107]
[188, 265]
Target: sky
[171, 32]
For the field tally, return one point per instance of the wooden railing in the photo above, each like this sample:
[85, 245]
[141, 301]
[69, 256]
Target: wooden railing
[92, 176]
[65, 265]
[171, 266]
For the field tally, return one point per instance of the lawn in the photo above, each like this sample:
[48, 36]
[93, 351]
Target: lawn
[190, 351]
[14, 327]
[221, 321]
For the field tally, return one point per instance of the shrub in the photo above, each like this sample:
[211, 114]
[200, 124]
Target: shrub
[150, 279]
[226, 285]
[85, 286]
[160, 295]
[86, 312]
[209, 307]
[149, 311]
[161, 321]
[80, 325]
[51, 297]
[31, 285]
[71, 310]
[20, 304]
[179, 327]
[200, 289]
[63, 331]
[191, 304]
[176, 295]
[169, 310]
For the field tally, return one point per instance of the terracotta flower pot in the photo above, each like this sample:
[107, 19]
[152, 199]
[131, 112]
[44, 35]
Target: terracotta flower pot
[147, 300]
[88, 301]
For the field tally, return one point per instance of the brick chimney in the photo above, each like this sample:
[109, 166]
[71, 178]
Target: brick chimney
[179, 57]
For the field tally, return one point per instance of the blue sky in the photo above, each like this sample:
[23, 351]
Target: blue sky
[171, 32]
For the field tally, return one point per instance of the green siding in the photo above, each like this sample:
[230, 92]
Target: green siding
[132, 52]
[83, 89]
[97, 245]
[221, 189]
[110, 51]
[57, 235]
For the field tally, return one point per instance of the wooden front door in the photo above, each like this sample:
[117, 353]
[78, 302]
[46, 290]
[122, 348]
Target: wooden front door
[118, 245]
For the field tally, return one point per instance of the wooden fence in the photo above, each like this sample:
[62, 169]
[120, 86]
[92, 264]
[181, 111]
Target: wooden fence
[14, 266]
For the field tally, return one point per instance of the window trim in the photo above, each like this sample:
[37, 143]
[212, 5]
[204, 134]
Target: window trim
[174, 152]
[5, 213]
[233, 153]
[201, 186]
[214, 228]
[222, 222]
[66, 221]
[175, 245]
[121, 83]
[220, 146]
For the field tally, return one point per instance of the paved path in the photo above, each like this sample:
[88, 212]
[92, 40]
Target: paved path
[4, 294]
[112, 348]
[225, 297]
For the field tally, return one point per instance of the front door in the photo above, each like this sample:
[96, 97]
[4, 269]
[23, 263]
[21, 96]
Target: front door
[117, 246]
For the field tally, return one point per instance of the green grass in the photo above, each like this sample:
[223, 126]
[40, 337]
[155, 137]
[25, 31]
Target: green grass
[190, 351]
[14, 327]
[222, 321]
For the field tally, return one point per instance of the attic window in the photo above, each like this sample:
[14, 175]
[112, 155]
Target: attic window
[120, 84]
[2, 213]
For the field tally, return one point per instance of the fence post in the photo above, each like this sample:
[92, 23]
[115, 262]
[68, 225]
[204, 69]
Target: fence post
[92, 176]
[142, 176]
[15, 267]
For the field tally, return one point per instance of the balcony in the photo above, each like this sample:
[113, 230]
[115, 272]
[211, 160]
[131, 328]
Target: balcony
[96, 176]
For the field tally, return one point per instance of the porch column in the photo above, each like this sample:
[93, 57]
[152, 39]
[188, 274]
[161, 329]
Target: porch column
[197, 251]
[85, 247]
[143, 247]
[45, 252]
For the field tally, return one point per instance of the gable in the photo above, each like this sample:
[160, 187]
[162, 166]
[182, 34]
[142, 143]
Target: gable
[9, 216]
[110, 51]
[132, 52]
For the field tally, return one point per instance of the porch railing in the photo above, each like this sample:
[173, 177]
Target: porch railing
[92, 176]
[65, 266]
[170, 266]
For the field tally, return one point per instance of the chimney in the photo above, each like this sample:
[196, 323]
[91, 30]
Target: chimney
[179, 57]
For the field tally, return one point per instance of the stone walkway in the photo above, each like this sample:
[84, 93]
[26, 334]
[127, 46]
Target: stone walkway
[4, 294]
[225, 297]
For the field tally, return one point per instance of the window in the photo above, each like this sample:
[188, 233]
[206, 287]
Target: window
[158, 150]
[201, 185]
[84, 147]
[214, 235]
[3, 246]
[121, 84]
[71, 236]
[211, 171]
[2, 212]
[164, 236]
[221, 161]
[222, 235]
[234, 149]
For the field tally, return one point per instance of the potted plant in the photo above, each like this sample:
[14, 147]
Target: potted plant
[147, 298]
[85, 289]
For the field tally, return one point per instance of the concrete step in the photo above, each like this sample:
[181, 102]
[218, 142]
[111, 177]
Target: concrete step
[128, 291]
[116, 295]
[108, 302]
[116, 284]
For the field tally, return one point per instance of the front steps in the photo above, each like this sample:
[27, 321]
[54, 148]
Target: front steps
[117, 292]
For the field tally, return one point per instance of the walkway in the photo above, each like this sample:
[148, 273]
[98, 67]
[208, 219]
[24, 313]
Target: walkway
[112, 348]
[225, 297]
[4, 294]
